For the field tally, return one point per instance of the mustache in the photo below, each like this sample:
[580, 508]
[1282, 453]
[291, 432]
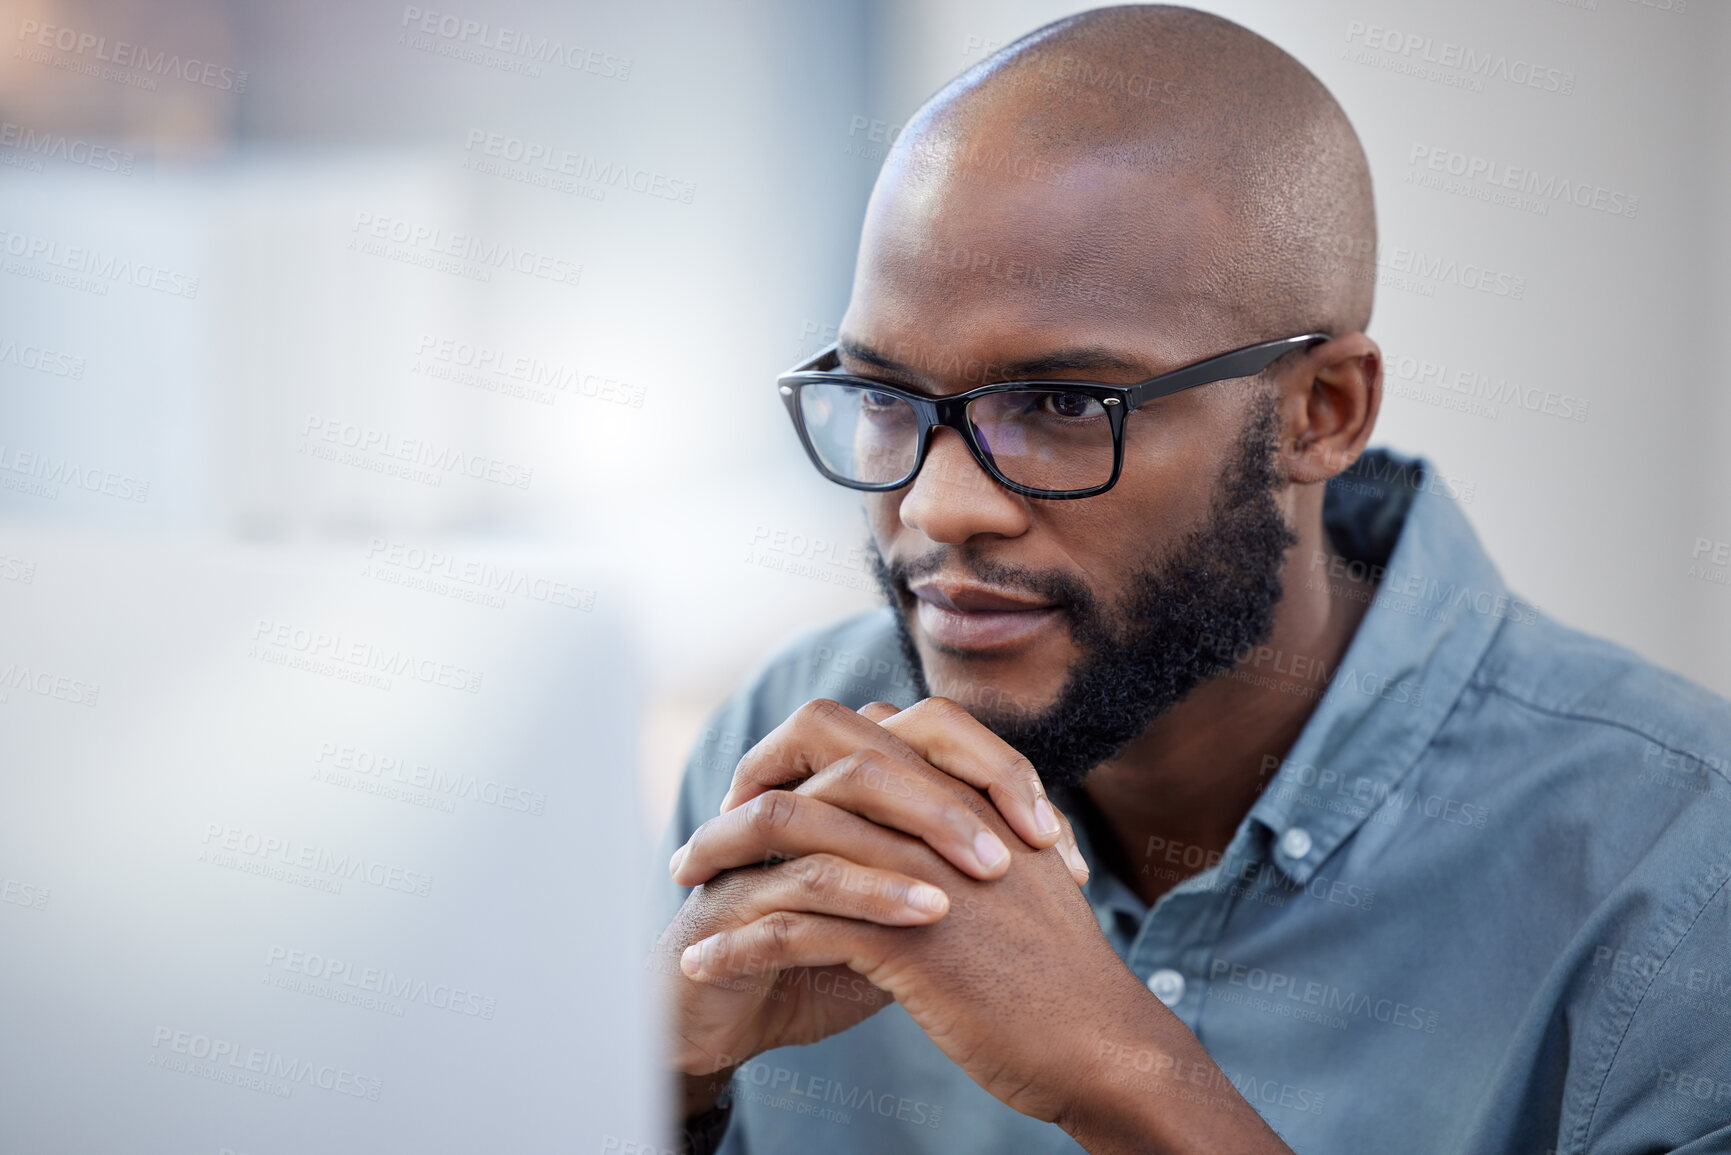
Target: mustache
[1068, 592]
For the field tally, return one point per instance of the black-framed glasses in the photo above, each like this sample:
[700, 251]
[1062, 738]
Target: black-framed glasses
[1050, 439]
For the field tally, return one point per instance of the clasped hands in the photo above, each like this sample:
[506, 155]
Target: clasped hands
[912, 855]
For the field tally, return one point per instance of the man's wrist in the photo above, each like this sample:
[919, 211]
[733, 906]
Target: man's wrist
[1148, 1087]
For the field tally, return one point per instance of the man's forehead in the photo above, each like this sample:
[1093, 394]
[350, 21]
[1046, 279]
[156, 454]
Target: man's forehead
[1085, 209]
[1108, 250]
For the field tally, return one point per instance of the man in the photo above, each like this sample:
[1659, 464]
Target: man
[1367, 855]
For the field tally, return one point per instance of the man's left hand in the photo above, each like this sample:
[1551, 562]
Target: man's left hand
[1017, 984]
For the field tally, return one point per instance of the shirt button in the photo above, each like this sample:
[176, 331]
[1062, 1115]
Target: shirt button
[1296, 842]
[1167, 985]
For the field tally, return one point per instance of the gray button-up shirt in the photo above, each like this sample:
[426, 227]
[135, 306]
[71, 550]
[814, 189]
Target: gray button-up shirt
[1481, 905]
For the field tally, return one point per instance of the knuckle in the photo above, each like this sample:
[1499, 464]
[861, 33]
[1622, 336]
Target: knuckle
[1020, 768]
[778, 930]
[945, 710]
[852, 771]
[750, 769]
[771, 812]
[820, 710]
[813, 874]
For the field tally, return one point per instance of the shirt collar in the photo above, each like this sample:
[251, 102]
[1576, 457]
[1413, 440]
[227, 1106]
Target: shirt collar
[1438, 601]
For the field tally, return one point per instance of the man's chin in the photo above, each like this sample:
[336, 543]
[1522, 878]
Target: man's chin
[993, 688]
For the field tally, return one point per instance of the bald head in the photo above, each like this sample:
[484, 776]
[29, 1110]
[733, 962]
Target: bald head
[1167, 129]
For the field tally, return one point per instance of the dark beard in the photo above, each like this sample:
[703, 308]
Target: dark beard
[1178, 627]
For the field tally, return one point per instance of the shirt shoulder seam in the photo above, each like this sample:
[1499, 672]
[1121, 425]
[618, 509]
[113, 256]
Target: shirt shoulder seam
[1584, 1129]
[1711, 763]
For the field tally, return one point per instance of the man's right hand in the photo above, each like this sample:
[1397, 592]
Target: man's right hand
[863, 802]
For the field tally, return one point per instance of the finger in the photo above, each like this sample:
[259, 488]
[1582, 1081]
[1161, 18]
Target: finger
[823, 732]
[1079, 869]
[830, 884]
[878, 711]
[782, 824]
[916, 799]
[947, 736]
[782, 941]
[815, 735]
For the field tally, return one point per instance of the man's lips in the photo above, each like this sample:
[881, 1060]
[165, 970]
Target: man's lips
[967, 616]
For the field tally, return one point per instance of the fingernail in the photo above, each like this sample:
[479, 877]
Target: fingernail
[1074, 854]
[1045, 818]
[989, 850]
[691, 961]
[678, 857]
[923, 897]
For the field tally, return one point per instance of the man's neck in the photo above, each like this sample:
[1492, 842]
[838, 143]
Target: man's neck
[1172, 801]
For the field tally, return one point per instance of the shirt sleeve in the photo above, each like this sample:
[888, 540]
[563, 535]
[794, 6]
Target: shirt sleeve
[1668, 1085]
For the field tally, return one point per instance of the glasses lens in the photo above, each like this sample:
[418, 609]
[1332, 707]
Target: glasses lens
[1045, 438]
[860, 434]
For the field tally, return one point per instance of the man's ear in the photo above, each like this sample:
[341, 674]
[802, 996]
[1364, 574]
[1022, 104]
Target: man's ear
[1329, 402]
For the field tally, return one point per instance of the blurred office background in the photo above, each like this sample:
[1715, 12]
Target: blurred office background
[424, 297]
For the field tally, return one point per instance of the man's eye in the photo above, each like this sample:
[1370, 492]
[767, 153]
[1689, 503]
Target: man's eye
[1072, 405]
[874, 400]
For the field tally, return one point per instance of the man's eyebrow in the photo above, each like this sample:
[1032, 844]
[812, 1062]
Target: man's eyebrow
[1086, 358]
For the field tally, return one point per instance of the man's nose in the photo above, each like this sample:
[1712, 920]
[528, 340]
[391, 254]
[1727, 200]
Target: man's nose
[953, 498]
